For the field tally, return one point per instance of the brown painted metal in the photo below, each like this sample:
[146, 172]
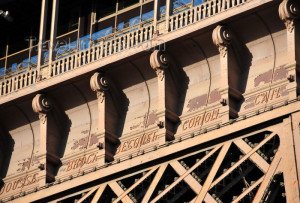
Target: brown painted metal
[214, 117]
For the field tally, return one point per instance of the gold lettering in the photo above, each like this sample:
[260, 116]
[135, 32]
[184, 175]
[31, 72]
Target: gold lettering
[155, 137]
[215, 114]
[18, 184]
[207, 117]
[129, 145]
[265, 97]
[256, 99]
[271, 95]
[15, 185]
[198, 121]
[27, 182]
[124, 147]
[278, 93]
[34, 180]
[91, 160]
[8, 187]
[136, 142]
[185, 123]
[191, 123]
[69, 166]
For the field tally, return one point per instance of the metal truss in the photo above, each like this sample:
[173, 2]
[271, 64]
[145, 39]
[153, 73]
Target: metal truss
[247, 169]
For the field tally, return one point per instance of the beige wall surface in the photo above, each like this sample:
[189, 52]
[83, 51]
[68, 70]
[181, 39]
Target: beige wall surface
[228, 86]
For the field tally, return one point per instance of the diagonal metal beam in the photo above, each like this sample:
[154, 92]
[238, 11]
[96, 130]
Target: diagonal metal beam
[135, 185]
[248, 190]
[119, 191]
[190, 180]
[267, 178]
[99, 193]
[88, 194]
[185, 174]
[213, 172]
[236, 180]
[154, 183]
[244, 158]
[255, 158]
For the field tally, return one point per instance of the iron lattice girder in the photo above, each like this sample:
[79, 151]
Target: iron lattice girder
[203, 192]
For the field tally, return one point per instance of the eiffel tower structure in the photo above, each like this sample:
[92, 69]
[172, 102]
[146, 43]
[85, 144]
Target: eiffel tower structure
[149, 101]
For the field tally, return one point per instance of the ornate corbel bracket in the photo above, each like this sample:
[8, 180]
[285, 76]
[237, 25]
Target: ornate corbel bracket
[289, 10]
[99, 84]
[222, 38]
[159, 61]
[41, 105]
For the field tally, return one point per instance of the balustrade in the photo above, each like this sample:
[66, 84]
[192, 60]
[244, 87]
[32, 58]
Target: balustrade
[113, 44]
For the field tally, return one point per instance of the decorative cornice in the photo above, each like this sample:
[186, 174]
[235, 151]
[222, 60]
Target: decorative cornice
[221, 37]
[289, 10]
[99, 84]
[159, 61]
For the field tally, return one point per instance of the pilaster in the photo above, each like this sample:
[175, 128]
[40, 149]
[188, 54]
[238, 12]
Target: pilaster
[167, 94]
[289, 12]
[52, 125]
[108, 115]
[230, 71]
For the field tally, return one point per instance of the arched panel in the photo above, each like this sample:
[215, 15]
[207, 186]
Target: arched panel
[142, 95]
[201, 64]
[83, 87]
[201, 69]
[140, 88]
[21, 135]
[267, 78]
[75, 105]
[26, 140]
[263, 53]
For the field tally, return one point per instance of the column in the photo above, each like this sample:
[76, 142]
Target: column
[53, 130]
[106, 112]
[53, 33]
[289, 11]
[230, 95]
[156, 13]
[167, 93]
[42, 106]
[42, 34]
[169, 8]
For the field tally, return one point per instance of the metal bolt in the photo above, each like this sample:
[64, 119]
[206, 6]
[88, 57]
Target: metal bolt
[41, 167]
[291, 78]
[100, 145]
[223, 102]
[160, 124]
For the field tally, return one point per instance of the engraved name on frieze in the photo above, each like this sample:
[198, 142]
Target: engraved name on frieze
[200, 120]
[137, 142]
[80, 162]
[266, 96]
[19, 183]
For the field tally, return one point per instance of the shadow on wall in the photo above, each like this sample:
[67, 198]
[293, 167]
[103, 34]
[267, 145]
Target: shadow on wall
[6, 148]
[60, 123]
[242, 61]
[117, 102]
[182, 87]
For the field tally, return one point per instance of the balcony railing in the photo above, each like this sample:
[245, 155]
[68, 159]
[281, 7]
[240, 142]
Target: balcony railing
[115, 43]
